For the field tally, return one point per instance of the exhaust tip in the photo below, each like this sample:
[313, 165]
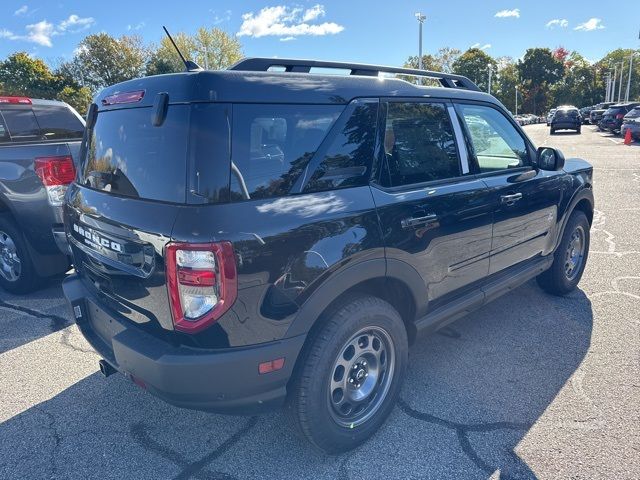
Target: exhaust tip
[105, 368]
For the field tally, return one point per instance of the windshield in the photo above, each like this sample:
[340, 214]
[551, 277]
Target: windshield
[126, 155]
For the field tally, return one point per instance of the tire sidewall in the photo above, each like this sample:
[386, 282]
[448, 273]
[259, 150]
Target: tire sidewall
[26, 280]
[326, 433]
[577, 218]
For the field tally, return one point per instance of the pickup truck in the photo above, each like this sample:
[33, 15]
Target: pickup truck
[39, 145]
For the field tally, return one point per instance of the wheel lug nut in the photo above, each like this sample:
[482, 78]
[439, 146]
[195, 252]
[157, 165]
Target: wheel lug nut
[351, 380]
[364, 364]
[366, 375]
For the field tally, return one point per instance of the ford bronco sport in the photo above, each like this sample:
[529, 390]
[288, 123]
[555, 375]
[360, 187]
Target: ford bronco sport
[270, 235]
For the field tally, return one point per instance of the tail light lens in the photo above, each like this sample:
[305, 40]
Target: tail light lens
[56, 173]
[202, 283]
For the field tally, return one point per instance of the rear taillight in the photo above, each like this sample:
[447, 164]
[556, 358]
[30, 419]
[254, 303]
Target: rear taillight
[202, 283]
[16, 100]
[56, 174]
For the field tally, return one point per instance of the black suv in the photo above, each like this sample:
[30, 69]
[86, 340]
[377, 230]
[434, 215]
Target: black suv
[566, 118]
[254, 237]
[613, 118]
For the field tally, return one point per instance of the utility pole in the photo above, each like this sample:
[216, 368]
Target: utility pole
[626, 96]
[516, 99]
[421, 18]
[607, 87]
[621, 75]
[490, 72]
[612, 97]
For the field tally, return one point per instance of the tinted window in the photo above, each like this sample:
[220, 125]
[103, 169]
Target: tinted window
[347, 160]
[127, 155]
[496, 143]
[58, 122]
[419, 144]
[272, 144]
[21, 124]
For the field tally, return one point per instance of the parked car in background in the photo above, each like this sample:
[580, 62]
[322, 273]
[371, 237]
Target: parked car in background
[39, 145]
[566, 117]
[550, 116]
[613, 117]
[631, 122]
[585, 114]
[254, 248]
[595, 116]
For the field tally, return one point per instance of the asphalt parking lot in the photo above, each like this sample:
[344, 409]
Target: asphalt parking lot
[531, 386]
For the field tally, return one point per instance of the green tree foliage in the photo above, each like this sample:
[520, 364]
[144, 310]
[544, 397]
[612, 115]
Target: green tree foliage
[616, 58]
[22, 75]
[78, 97]
[538, 70]
[103, 60]
[212, 49]
[476, 64]
[506, 84]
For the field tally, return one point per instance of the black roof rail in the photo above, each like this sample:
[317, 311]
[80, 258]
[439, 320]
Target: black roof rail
[257, 64]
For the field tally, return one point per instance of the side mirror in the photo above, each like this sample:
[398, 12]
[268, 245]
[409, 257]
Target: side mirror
[550, 159]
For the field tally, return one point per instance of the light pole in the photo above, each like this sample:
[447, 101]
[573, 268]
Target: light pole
[612, 98]
[421, 18]
[627, 95]
[621, 76]
[516, 99]
[490, 72]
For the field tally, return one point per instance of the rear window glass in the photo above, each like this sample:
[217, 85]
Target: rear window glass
[127, 155]
[272, 145]
[21, 124]
[58, 122]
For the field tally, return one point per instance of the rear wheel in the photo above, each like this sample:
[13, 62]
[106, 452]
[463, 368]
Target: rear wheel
[350, 377]
[17, 274]
[552, 132]
[578, 130]
[570, 257]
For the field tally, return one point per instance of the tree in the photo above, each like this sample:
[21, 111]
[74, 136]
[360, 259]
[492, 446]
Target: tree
[537, 71]
[22, 75]
[78, 97]
[613, 59]
[446, 57]
[506, 85]
[103, 60]
[428, 63]
[211, 48]
[475, 64]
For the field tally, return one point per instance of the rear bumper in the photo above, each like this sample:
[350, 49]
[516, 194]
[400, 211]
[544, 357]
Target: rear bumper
[633, 127]
[225, 381]
[565, 125]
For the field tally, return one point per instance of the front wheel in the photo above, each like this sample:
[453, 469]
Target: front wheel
[570, 257]
[350, 376]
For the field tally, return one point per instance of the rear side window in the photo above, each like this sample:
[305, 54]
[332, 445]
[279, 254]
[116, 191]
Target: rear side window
[272, 145]
[22, 124]
[126, 155]
[58, 122]
[346, 162]
[419, 144]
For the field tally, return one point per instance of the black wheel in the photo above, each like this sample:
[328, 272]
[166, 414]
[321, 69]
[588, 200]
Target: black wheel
[350, 376]
[570, 257]
[579, 130]
[552, 132]
[17, 274]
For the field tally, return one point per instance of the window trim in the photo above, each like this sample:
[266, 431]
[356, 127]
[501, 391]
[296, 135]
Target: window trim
[381, 159]
[474, 161]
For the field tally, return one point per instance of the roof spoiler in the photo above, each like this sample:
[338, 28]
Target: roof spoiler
[447, 80]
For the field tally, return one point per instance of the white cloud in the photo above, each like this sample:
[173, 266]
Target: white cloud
[21, 11]
[136, 27]
[224, 17]
[287, 39]
[479, 46]
[508, 13]
[75, 23]
[591, 24]
[282, 21]
[39, 33]
[312, 13]
[558, 22]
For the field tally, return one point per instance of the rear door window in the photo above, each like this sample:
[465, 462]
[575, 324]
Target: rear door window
[58, 122]
[126, 155]
[419, 144]
[21, 124]
[272, 145]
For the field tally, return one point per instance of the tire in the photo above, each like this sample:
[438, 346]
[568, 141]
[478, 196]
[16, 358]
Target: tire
[560, 279]
[321, 392]
[579, 131]
[19, 277]
[552, 132]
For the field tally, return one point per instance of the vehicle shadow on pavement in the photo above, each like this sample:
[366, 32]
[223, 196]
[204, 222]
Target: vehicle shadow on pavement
[472, 393]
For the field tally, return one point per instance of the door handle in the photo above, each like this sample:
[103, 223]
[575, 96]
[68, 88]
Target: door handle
[418, 221]
[510, 199]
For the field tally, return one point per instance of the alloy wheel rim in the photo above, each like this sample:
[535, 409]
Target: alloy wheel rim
[361, 377]
[10, 264]
[574, 255]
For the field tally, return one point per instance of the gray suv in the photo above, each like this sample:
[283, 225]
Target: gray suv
[39, 145]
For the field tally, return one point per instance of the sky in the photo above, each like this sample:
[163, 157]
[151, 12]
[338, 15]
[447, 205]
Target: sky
[374, 31]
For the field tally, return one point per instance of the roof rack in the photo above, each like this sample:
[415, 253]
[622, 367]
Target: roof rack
[447, 80]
